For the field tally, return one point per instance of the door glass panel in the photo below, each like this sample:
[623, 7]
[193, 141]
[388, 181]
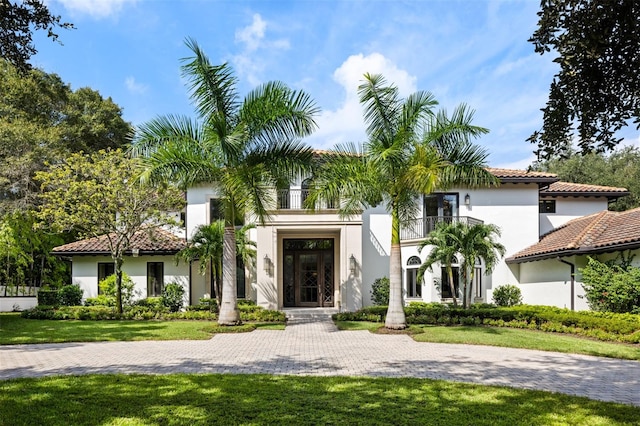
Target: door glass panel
[327, 288]
[431, 205]
[288, 278]
[308, 278]
[450, 205]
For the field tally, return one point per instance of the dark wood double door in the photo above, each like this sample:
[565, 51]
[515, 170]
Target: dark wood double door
[308, 272]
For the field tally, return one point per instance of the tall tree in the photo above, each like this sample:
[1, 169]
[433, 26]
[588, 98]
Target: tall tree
[478, 242]
[18, 20]
[43, 121]
[241, 148]
[410, 151]
[618, 169]
[206, 245]
[597, 90]
[100, 195]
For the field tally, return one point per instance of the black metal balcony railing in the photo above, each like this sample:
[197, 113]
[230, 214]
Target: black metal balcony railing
[420, 228]
[293, 199]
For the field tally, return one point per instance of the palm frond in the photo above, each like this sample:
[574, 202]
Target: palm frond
[212, 87]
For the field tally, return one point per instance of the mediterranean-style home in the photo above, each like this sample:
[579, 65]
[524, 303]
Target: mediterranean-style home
[319, 259]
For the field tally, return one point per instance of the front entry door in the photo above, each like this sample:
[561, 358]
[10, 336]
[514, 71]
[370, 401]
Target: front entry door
[308, 273]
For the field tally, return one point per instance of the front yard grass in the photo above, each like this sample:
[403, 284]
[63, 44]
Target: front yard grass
[15, 330]
[261, 399]
[508, 337]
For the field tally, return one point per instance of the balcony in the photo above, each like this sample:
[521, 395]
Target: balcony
[420, 228]
[293, 199]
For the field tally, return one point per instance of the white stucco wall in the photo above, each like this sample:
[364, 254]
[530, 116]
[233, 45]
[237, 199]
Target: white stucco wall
[9, 304]
[85, 273]
[568, 208]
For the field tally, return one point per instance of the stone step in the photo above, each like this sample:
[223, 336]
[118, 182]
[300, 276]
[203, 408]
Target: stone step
[306, 315]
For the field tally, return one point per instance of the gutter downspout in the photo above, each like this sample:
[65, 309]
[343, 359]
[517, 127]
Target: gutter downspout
[573, 280]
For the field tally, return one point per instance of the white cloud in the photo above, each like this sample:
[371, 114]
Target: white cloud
[257, 49]
[95, 8]
[345, 124]
[134, 87]
[252, 35]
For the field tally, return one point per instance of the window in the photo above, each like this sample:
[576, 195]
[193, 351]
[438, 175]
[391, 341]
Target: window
[441, 205]
[240, 279]
[283, 197]
[155, 278]
[104, 270]
[547, 206]
[477, 278]
[445, 285]
[414, 289]
[305, 187]
[216, 210]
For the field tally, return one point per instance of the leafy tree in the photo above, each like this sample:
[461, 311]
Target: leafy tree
[99, 194]
[618, 169]
[445, 242]
[25, 259]
[206, 245]
[597, 90]
[611, 286]
[380, 291]
[241, 148]
[18, 20]
[478, 242]
[410, 151]
[43, 120]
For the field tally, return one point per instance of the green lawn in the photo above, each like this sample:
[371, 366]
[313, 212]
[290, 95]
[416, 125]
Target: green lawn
[511, 338]
[16, 330]
[270, 400]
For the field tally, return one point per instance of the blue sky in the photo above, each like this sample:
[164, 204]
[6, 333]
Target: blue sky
[462, 51]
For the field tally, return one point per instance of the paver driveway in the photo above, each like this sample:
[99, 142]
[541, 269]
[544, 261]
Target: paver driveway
[318, 348]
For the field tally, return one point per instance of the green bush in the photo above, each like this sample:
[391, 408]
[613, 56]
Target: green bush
[611, 287]
[108, 288]
[507, 295]
[100, 300]
[70, 295]
[173, 296]
[205, 304]
[152, 303]
[380, 292]
[48, 297]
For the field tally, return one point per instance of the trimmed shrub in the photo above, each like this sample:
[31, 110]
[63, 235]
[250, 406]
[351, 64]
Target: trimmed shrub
[380, 292]
[173, 296]
[100, 300]
[507, 295]
[70, 295]
[48, 297]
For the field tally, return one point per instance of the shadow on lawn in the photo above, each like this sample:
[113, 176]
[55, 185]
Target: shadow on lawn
[262, 399]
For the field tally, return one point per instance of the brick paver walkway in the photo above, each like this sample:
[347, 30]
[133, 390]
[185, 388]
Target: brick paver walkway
[318, 348]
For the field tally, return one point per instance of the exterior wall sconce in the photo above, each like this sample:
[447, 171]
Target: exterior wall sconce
[268, 265]
[352, 264]
[467, 200]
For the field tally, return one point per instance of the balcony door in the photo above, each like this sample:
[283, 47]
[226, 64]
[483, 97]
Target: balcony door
[308, 270]
[440, 207]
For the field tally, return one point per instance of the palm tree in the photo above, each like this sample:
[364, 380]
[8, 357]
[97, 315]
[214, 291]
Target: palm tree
[410, 151]
[241, 148]
[445, 242]
[478, 242]
[206, 245]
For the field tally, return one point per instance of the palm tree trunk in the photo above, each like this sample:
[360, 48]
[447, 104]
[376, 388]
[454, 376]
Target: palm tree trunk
[229, 314]
[395, 312]
[452, 287]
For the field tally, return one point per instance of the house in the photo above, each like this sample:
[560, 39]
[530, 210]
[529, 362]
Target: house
[313, 259]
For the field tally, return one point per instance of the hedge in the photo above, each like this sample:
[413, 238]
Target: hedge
[600, 325]
[142, 312]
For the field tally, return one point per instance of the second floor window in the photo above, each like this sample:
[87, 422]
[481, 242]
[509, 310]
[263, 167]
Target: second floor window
[547, 206]
[441, 204]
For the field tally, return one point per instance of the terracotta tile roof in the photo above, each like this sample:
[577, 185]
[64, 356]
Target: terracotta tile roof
[568, 188]
[155, 241]
[597, 233]
[514, 175]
